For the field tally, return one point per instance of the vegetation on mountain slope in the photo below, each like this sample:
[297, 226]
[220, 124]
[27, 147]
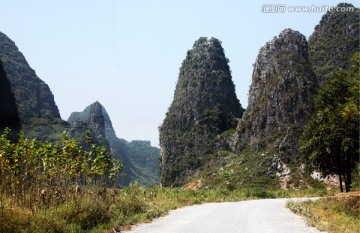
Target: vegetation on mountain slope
[60, 187]
[37, 103]
[265, 149]
[140, 160]
[38, 113]
[146, 159]
[204, 106]
[333, 42]
[280, 97]
[330, 142]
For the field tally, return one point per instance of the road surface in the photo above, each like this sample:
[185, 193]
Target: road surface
[257, 216]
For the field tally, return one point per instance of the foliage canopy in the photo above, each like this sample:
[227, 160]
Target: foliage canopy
[330, 142]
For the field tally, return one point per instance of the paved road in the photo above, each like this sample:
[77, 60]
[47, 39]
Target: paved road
[259, 216]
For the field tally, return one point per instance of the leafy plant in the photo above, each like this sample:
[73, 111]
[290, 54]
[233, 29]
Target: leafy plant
[330, 142]
[41, 173]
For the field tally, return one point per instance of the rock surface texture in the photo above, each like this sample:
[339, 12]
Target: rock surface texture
[333, 42]
[280, 97]
[92, 118]
[33, 96]
[204, 106]
[137, 157]
[39, 115]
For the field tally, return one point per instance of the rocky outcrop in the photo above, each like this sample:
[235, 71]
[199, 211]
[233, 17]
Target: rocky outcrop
[92, 119]
[334, 41]
[33, 96]
[280, 97]
[204, 106]
[39, 115]
[96, 119]
[8, 109]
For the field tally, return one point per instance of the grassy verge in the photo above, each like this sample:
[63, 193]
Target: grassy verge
[331, 214]
[95, 211]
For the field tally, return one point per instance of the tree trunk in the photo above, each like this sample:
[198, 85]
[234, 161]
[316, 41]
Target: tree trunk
[341, 186]
[348, 181]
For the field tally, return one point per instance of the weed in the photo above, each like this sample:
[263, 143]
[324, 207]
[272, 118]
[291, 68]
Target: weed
[331, 214]
[259, 193]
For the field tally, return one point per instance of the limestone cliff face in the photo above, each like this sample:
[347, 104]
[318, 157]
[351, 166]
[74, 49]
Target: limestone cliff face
[282, 89]
[92, 118]
[39, 115]
[286, 76]
[9, 116]
[33, 96]
[204, 106]
[96, 119]
[333, 42]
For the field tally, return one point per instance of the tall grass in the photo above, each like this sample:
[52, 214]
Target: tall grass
[331, 214]
[62, 187]
[94, 210]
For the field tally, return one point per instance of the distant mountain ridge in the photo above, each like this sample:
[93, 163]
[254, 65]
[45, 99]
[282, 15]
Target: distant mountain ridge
[27, 104]
[92, 119]
[138, 159]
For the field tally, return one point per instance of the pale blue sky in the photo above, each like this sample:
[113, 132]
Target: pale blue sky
[127, 54]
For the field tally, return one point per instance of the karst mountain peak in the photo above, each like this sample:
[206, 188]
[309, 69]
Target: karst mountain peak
[204, 106]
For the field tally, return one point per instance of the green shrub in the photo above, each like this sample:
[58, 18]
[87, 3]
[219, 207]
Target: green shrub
[259, 193]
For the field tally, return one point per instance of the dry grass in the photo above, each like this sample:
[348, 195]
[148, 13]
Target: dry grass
[94, 213]
[340, 213]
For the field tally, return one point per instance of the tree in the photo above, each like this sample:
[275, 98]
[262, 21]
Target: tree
[330, 142]
[27, 166]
